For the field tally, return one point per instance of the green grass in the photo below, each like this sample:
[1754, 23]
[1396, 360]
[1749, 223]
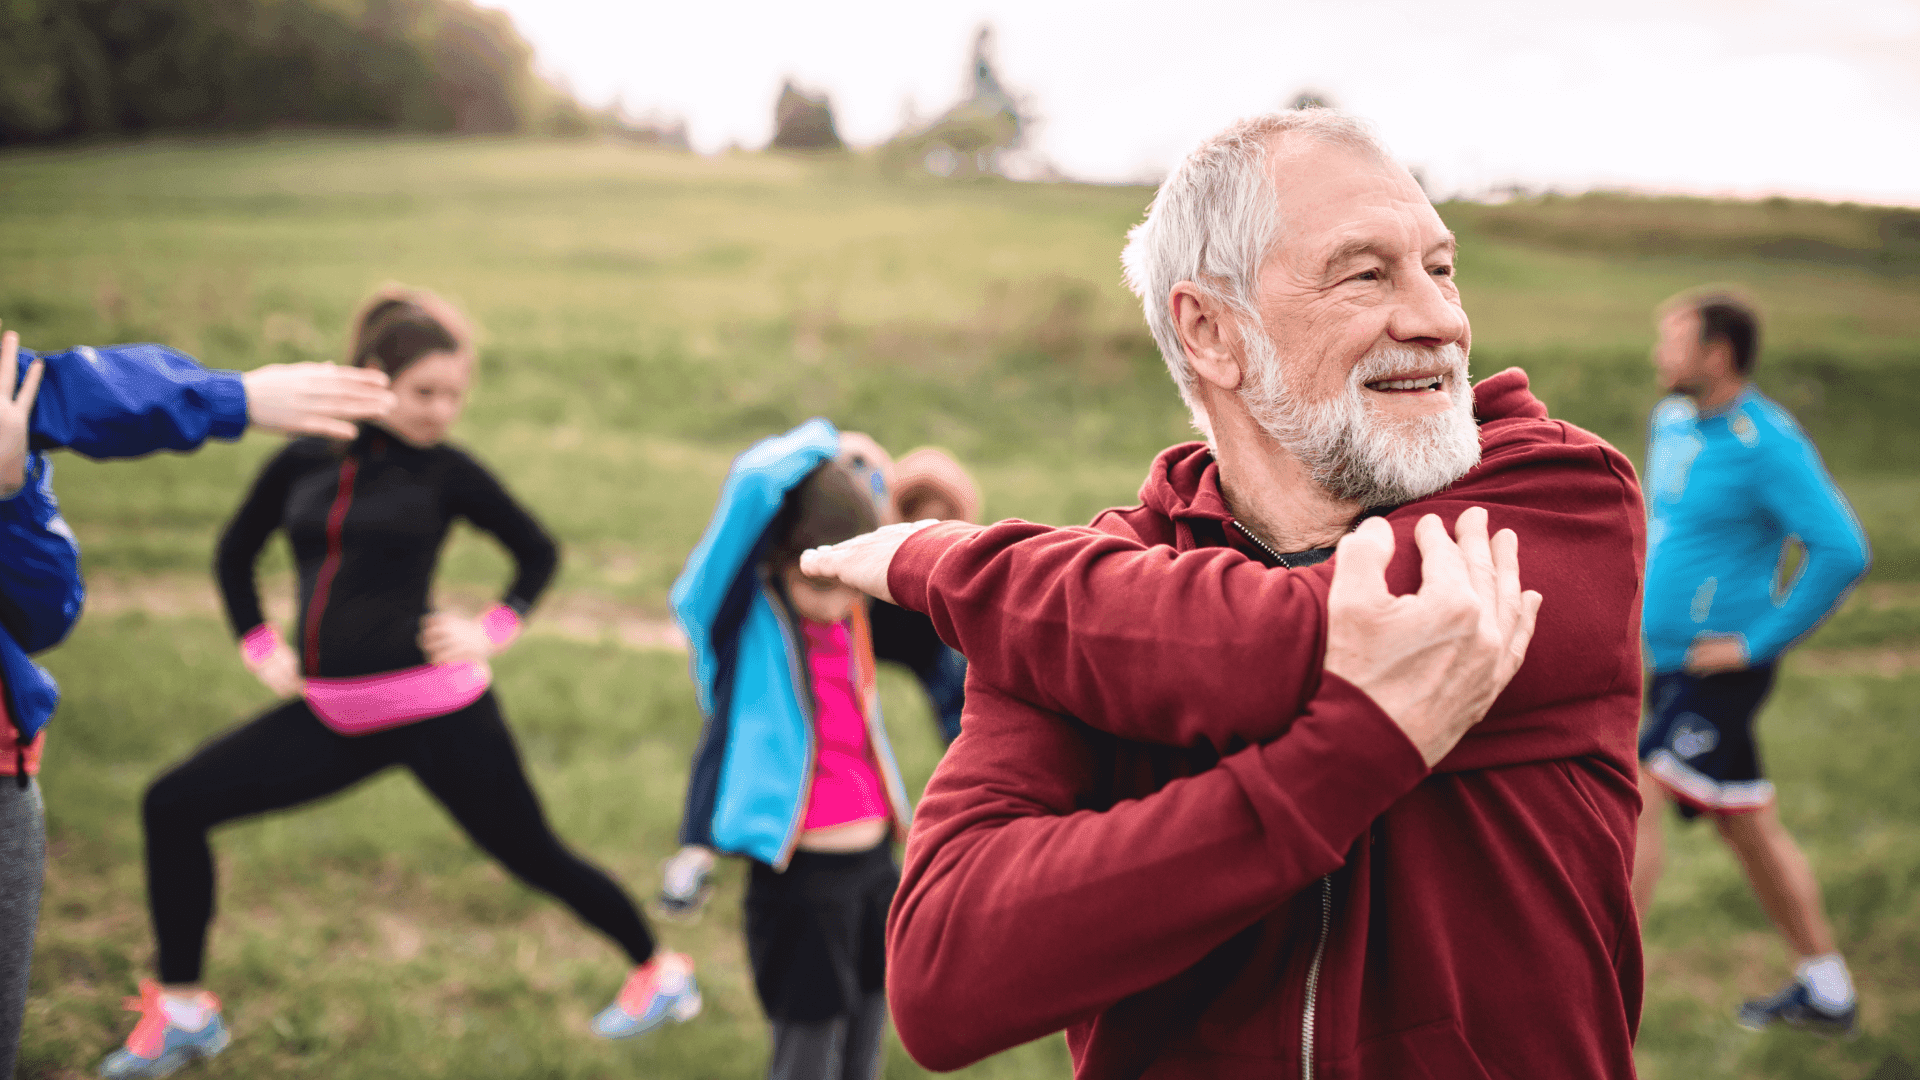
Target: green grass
[647, 315]
[365, 936]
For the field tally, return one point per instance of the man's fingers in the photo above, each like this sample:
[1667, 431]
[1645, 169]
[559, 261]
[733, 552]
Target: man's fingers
[1505, 547]
[1470, 531]
[9, 360]
[30, 388]
[323, 425]
[1442, 567]
[372, 378]
[820, 562]
[1360, 569]
[1523, 629]
[349, 392]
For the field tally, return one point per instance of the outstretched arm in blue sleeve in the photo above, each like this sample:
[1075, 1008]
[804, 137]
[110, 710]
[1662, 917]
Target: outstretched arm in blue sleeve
[129, 400]
[1802, 497]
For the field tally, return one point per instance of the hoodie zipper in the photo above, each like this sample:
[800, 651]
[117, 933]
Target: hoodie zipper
[1313, 979]
[1309, 1007]
[323, 581]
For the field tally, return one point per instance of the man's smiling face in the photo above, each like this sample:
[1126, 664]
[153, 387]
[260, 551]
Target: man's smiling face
[1363, 263]
[1361, 371]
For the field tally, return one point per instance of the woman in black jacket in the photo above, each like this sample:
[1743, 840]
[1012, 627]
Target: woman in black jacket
[375, 679]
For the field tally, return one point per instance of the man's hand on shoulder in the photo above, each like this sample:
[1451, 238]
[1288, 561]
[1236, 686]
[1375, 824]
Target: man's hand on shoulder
[861, 562]
[1435, 660]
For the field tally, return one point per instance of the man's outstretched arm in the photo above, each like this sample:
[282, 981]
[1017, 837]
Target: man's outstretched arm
[1176, 648]
[130, 400]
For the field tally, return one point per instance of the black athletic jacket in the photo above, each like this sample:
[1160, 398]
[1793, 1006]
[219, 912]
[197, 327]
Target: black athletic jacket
[366, 523]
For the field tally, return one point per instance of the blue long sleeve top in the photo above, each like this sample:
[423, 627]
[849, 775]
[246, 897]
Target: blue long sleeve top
[117, 402]
[1725, 493]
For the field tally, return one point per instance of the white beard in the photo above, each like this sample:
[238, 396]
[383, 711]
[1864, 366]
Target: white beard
[1349, 449]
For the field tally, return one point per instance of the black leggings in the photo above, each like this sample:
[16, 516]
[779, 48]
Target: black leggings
[465, 759]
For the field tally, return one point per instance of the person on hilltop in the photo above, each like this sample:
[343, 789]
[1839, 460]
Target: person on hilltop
[373, 679]
[117, 402]
[1732, 478]
[1225, 805]
[794, 770]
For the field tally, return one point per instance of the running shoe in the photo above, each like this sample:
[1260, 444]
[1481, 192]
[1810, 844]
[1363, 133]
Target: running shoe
[687, 883]
[659, 990]
[1794, 1006]
[160, 1047]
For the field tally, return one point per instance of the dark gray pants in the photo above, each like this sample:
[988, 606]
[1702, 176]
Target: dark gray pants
[23, 863]
[843, 1048]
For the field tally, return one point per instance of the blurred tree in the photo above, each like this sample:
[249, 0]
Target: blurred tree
[803, 120]
[71, 68]
[970, 138]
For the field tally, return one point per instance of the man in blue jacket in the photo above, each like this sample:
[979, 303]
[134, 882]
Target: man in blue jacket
[1731, 479]
[104, 403]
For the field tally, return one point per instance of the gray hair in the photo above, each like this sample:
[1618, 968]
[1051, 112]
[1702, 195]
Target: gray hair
[1214, 220]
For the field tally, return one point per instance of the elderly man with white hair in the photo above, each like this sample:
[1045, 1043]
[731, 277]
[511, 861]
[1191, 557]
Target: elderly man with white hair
[1225, 805]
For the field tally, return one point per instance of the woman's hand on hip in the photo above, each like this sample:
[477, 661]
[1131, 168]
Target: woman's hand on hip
[451, 639]
[279, 670]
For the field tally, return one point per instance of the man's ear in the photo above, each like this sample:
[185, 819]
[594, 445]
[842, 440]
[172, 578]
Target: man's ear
[1209, 331]
[1718, 354]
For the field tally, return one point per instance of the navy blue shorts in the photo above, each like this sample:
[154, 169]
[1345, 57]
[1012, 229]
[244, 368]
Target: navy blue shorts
[1697, 740]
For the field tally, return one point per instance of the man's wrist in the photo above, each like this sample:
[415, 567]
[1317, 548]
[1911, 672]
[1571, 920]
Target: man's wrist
[226, 394]
[12, 483]
[913, 562]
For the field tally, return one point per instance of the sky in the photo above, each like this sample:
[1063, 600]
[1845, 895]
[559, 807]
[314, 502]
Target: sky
[1809, 98]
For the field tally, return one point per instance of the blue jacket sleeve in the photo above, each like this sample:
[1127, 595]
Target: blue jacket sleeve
[40, 585]
[1802, 498]
[129, 400]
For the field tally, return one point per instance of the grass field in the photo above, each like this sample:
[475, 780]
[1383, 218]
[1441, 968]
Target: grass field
[646, 316]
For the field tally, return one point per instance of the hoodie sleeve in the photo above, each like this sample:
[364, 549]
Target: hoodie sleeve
[1120, 634]
[1175, 648]
[130, 400]
[1085, 908]
[40, 586]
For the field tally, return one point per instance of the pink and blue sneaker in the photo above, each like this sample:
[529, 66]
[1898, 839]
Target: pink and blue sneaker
[171, 1034]
[659, 990]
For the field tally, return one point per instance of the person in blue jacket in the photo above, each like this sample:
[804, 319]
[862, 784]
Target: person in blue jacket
[794, 770]
[117, 402]
[1732, 482]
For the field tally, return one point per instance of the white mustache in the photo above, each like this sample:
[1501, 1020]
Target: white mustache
[1390, 360]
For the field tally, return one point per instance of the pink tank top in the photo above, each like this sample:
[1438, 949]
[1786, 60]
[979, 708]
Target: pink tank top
[845, 787]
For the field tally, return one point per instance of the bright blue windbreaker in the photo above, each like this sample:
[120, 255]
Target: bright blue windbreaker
[752, 772]
[116, 402]
[1724, 493]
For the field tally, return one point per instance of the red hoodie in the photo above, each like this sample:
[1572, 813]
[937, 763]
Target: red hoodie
[1129, 838]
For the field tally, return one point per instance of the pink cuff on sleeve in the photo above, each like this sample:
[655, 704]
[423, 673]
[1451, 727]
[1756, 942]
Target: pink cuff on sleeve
[502, 625]
[259, 643]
